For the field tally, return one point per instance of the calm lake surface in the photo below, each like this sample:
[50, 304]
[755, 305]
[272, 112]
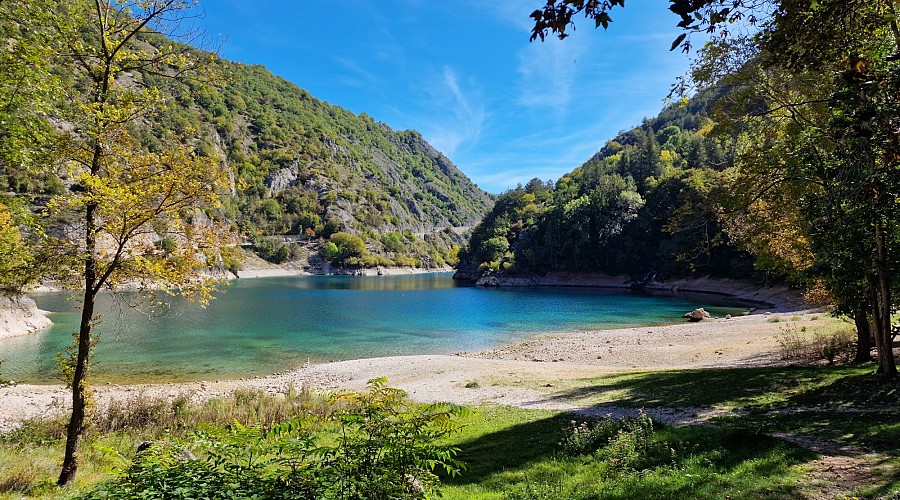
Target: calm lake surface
[264, 325]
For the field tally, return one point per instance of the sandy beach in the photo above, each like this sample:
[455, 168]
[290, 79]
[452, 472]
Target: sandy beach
[523, 374]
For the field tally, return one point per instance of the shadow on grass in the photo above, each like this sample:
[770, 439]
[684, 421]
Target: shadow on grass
[844, 404]
[874, 431]
[705, 462]
[744, 387]
[513, 447]
[890, 484]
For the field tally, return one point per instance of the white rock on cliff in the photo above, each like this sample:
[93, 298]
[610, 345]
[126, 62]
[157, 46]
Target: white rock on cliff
[19, 315]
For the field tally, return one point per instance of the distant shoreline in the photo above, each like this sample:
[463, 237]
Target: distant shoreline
[381, 271]
[774, 298]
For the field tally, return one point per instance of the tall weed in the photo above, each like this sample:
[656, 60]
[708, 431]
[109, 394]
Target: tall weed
[374, 444]
[837, 346]
[625, 444]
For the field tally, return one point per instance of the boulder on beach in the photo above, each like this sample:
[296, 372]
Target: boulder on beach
[698, 314]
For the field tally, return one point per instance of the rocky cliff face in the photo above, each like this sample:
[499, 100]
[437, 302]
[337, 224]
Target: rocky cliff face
[19, 315]
[308, 168]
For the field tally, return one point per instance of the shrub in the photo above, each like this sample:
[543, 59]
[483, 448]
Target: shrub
[634, 449]
[494, 248]
[375, 444]
[587, 437]
[273, 251]
[344, 249]
[162, 472]
[840, 345]
[231, 261]
[18, 477]
[791, 345]
[625, 445]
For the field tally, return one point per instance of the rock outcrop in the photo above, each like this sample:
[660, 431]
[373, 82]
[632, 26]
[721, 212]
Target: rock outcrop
[698, 314]
[19, 315]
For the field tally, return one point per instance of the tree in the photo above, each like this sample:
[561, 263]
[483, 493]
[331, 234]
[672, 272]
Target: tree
[125, 199]
[27, 90]
[345, 249]
[13, 255]
[708, 16]
[844, 157]
[841, 134]
[574, 234]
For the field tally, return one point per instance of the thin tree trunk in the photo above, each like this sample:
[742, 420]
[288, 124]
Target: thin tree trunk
[82, 359]
[876, 326]
[886, 366]
[863, 337]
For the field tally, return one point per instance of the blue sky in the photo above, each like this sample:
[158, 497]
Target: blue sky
[463, 73]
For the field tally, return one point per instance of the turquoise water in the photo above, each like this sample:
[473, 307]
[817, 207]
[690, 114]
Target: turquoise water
[264, 325]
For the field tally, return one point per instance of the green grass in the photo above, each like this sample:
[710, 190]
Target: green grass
[30, 456]
[28, 469]
[517, 454]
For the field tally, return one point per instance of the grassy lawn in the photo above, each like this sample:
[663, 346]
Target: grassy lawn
[517, 454]
[514, 453]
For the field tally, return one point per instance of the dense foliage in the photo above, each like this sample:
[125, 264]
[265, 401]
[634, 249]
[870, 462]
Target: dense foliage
[297, 165]
[645, 205]
[816, 86]
[372, 445]
[306, 168]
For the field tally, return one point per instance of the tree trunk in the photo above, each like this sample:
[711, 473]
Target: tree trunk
[82, 359]
[863, 337]
[79, 396]
[887, 367]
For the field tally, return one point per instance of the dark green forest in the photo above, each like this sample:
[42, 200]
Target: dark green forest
[646, 205]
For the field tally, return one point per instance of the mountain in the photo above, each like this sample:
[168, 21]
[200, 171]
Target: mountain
[312, 169]
[304, 170]
[645, 205]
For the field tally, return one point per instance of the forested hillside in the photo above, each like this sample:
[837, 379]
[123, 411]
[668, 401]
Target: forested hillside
[644, 205]
[300, 166]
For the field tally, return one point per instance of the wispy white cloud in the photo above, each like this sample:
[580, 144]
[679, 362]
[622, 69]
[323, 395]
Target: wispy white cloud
[465, 114]
[356, 75]
[514, 12]
[547, 73]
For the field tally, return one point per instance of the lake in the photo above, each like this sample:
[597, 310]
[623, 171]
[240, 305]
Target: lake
[263, 325]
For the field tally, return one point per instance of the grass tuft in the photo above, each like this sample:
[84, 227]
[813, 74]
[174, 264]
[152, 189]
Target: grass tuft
[796, 345]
